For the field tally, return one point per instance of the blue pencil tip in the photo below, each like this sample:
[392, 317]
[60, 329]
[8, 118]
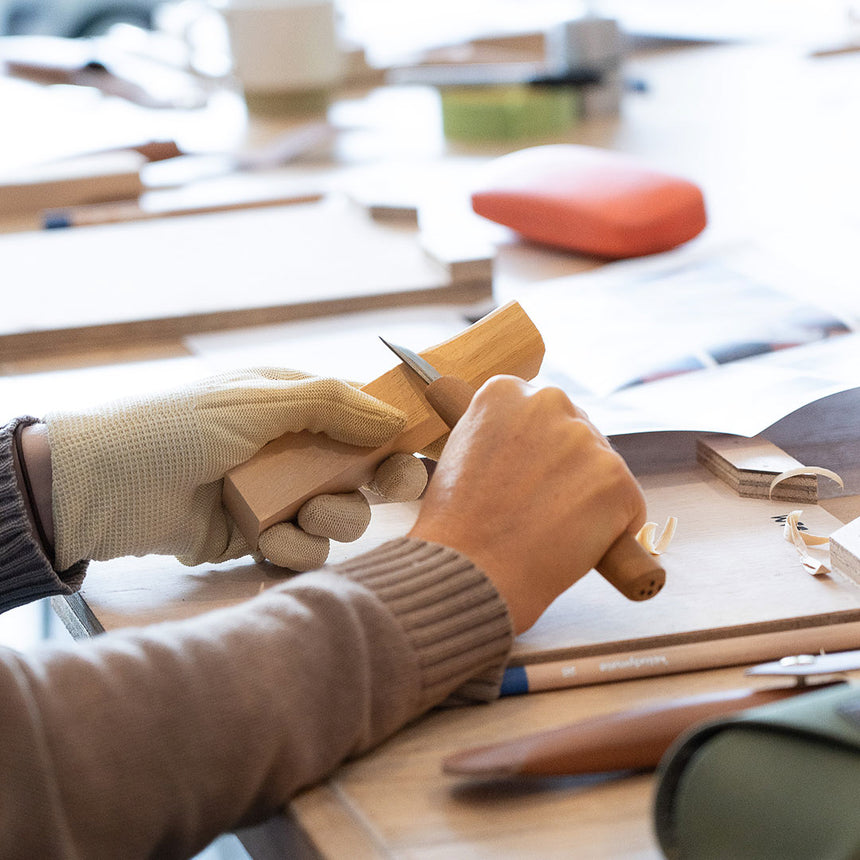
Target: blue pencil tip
[515, 682]
[56, 220]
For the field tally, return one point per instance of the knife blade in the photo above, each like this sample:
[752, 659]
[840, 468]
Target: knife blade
[627, 565]
[802, 666]
[449, 396]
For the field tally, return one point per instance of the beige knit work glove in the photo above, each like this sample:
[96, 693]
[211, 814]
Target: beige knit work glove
[144, 475]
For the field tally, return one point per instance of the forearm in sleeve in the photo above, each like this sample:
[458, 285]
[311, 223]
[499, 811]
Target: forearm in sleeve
[151, 742]
[26, 573]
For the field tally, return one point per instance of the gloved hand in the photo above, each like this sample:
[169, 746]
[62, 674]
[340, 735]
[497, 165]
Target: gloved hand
[144, 475]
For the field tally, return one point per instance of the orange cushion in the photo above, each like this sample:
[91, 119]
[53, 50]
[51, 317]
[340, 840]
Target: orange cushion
[590, 200]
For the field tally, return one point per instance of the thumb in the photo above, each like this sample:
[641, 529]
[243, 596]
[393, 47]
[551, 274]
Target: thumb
[348, 414]
[284, 403]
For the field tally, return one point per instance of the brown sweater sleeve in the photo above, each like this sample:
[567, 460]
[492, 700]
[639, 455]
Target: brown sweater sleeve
[25, 572]
[151, 742]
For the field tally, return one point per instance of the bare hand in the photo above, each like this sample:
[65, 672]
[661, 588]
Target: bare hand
[531, 492]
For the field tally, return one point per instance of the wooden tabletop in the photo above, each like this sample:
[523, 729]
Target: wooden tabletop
[396, 801]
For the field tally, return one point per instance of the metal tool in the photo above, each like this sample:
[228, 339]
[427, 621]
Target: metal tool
[627, 565]
[449, 396]
[804, 666]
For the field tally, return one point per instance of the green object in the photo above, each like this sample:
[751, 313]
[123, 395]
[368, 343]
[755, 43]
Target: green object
[507, 112]
[778, 782]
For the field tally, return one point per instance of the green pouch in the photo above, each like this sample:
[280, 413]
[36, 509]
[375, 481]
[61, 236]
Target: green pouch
[781, 781]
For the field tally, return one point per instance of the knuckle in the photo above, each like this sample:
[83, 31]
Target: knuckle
[553, 397]
[501, 386]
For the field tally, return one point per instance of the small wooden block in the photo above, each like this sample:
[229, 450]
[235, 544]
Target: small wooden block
[402, 213]
[464, 261]
[272, 486]
[748, 465]
[845, 549]
[387, 207]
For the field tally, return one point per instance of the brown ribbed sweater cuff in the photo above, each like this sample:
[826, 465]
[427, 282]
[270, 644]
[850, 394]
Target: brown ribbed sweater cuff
[25, 571]
[451, 613]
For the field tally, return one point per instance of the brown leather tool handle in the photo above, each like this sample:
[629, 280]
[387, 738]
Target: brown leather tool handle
[626, 740]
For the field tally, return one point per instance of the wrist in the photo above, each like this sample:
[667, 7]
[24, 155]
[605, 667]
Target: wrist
[523, 604]
[32, 459]
[449, 610]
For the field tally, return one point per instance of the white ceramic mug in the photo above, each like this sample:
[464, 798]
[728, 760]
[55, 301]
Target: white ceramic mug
[283, 48]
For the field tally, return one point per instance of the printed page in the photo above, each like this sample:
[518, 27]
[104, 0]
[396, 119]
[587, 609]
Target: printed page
[727, 341]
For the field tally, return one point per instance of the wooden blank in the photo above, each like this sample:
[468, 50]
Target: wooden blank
[749, 466]
[272, 486]
[380, 208]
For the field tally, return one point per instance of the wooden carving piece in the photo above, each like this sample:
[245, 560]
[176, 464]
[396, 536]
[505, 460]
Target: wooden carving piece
[272, 486]
[749, 466]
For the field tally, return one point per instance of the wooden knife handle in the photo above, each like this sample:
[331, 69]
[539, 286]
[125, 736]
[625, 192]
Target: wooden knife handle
[627, 565]
[632, 569]
[450, 397]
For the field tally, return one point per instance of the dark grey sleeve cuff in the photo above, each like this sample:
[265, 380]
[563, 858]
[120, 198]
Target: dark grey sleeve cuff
[25, 571]
[451, 613]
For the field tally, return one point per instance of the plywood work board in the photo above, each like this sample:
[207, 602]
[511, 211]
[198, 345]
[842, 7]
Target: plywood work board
[731, 579]
[749, 467]
[735, 591]
[90, 287]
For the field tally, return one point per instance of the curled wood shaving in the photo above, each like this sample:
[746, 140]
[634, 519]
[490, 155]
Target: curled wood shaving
[802, 541]
[804, 470]
[645, 536]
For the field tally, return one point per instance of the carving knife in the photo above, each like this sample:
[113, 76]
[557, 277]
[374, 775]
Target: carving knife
[627, 565]
[273, 484]
[449, 396]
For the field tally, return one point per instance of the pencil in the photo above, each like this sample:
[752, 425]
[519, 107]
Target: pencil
[691, 656]
[133, 210]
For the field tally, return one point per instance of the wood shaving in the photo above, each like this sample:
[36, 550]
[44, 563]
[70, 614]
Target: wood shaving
[645, 536]
[813, 563]
[804, 470]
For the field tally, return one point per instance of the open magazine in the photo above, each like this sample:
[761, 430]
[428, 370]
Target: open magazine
[726, 341]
